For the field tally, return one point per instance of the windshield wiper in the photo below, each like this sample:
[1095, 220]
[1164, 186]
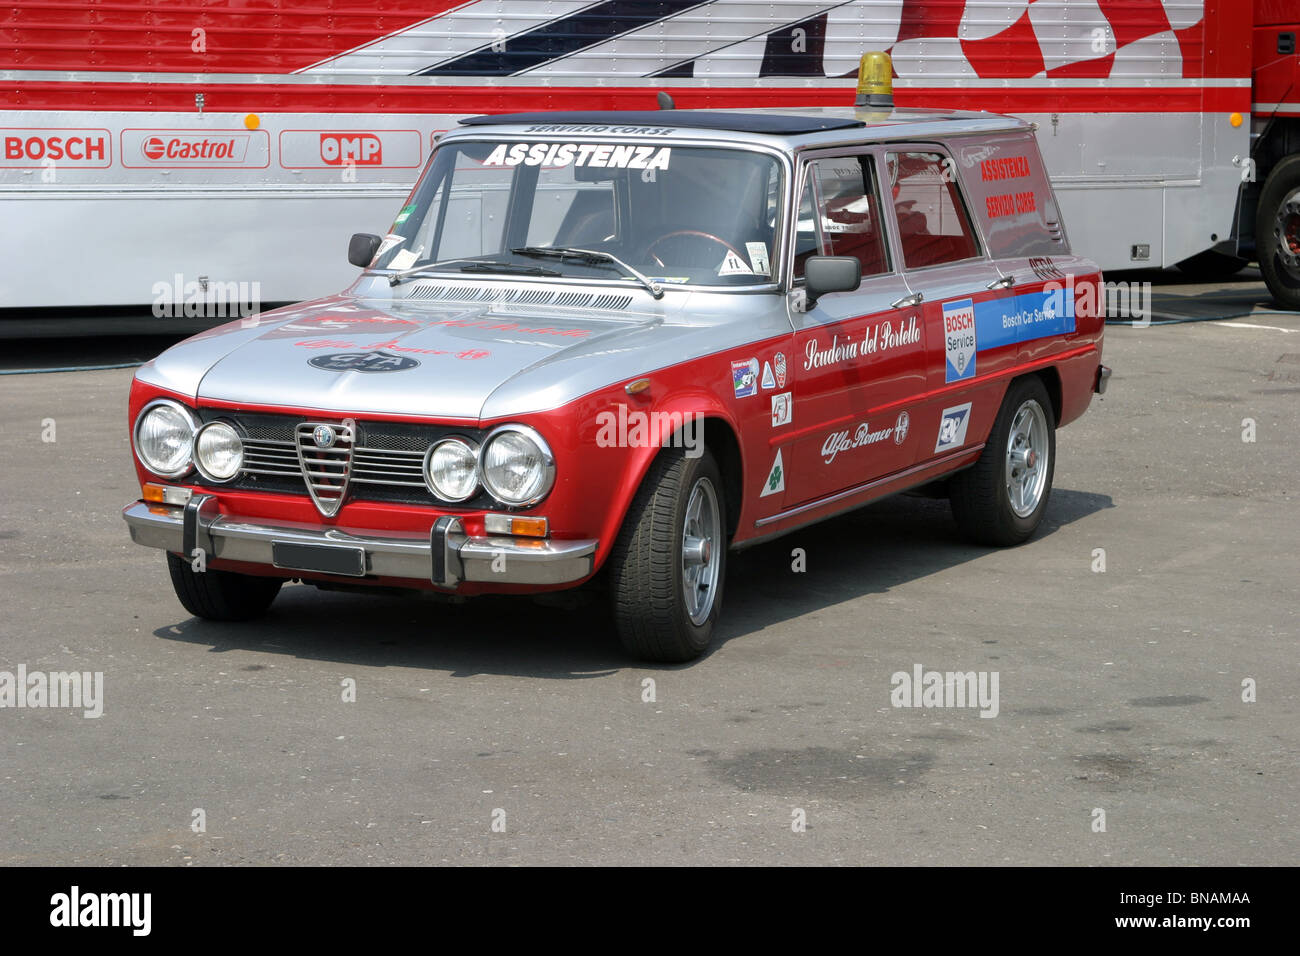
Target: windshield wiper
[395, 277]
[506, 269]
[590, 257]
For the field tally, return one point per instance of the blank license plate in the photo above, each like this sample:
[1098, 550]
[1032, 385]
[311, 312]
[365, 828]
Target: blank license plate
[318, 557]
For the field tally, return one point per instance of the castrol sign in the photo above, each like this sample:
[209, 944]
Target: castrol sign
[195, 149]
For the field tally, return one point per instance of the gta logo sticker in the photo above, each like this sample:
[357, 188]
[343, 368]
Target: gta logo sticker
[775, 478]
[952, 427]
[363, 362]
[744, 377]
[959, 340]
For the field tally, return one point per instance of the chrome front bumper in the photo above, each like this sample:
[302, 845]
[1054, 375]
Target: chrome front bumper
[445, 556]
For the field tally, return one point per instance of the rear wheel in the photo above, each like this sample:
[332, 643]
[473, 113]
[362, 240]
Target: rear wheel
[1001, 499]
[668, 565]
[221, 595]
[1277, 232]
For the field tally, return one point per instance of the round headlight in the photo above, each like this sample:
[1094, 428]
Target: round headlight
[451, 470]
[218, 451]
[517, 466]
[164, 438]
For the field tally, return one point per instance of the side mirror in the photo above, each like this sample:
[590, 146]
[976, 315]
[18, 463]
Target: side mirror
[825, 274]
[362, 248]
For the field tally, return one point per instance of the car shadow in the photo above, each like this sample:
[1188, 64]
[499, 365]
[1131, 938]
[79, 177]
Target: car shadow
[868, 551]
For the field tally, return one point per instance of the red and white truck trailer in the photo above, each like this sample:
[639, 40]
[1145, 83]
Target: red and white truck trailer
[148, 148]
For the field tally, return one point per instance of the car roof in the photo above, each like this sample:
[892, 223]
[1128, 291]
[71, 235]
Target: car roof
[792, 127]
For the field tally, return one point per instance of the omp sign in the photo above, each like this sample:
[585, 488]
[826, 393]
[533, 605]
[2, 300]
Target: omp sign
[190, 147]
[364, 149]
[33, 147]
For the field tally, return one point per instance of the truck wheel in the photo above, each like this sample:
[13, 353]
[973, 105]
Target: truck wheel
[221, 595]
[668, 565]
[1001, 498]
[1277, 232]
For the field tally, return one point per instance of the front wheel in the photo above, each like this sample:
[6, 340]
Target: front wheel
[221, 595]
[1001, 499]
[668, 565]
[1277, 232]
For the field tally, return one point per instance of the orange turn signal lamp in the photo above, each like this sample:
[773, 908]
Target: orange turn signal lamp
[166, 494]
[517, 525]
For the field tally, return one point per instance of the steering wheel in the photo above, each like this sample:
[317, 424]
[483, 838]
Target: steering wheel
[692, 232]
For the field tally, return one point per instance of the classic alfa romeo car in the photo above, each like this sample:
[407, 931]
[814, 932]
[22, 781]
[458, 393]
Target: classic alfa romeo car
[609, 347]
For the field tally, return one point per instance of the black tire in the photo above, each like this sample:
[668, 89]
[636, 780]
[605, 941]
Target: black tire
[647, 590]
[1278, 260]
[221, 595]
[980, 499]
[1212, 266]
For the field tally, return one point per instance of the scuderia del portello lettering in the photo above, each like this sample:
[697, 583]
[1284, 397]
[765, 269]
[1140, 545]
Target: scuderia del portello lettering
[878, 338]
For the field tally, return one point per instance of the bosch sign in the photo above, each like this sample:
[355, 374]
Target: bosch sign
[364, 149]
[70, 147]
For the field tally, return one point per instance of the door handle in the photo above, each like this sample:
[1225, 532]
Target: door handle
[1005, 282]
[907, 301]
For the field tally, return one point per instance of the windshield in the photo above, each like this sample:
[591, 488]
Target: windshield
[677, 214]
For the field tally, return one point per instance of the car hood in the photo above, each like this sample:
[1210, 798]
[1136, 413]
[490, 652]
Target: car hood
[451, 360]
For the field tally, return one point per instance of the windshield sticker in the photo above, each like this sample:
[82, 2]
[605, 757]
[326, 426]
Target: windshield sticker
[733, 265]
[604, 155]
[403, 260]
[404, 214]
[674, 279]
[758, 257]
[392, 240]
[744, 377]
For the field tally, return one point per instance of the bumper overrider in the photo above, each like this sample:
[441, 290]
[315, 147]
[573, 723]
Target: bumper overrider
[446, 556]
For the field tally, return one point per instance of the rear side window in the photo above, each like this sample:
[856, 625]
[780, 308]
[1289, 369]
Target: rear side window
[933, 226]
[839, 215]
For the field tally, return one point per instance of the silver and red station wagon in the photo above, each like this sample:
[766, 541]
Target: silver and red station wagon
[605, 348]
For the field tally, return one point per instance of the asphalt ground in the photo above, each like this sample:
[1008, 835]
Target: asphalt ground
[1120, 692]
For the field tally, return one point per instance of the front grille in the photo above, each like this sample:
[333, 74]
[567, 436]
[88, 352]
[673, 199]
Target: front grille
[387, 458]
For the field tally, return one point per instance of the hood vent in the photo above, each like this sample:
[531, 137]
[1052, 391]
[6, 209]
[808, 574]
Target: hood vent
[612, 302]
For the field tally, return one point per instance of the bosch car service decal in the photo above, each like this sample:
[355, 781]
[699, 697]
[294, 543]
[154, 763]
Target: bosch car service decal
[971, 327]
[959, 340]
[952, 427]
[744, 377]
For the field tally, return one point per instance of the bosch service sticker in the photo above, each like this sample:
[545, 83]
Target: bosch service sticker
[959, 340]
